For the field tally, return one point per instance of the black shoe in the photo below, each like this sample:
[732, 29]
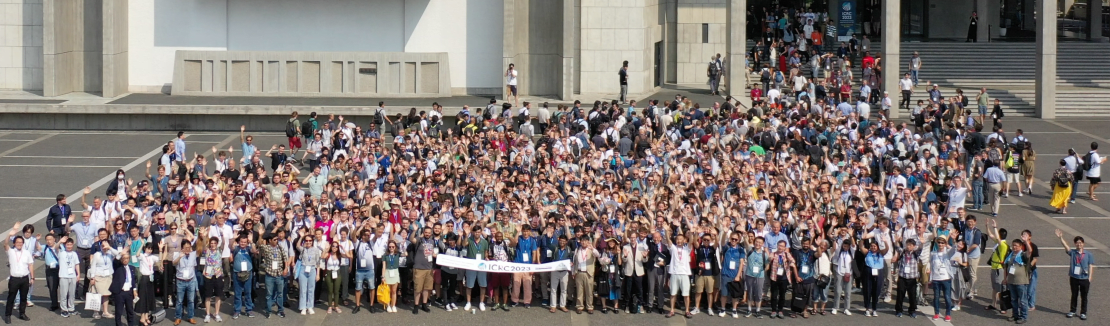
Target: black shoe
[7, 319]
[415, 310]
[24, 317]
[355, 311]
[425, 308]
[281, 314]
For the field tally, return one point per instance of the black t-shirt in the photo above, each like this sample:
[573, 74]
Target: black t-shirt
[1034, 253]
[624, 76]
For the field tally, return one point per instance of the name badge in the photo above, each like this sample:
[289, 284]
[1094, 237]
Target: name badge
[907, 269]
[391, 273]
[526, 258]
[274, 265]
[755, 269]
[874, 272]
[362, 263]
[612, 268]
[1013, 269]
[781, 271]
[705, 265]
[334, 274]
[805, 269]
[731, 265]
[85, 243]
[186, 274]
[548, 253]
[243, 266]
[1077, 270]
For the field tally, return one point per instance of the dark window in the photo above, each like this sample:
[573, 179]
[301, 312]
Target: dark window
[705, 33]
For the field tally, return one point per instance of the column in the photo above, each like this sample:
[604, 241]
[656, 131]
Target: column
[115, 55]
[892, 36]
[1046, 62]
[986, 17]
[737, 39]
[1094, 21]
[509, 44]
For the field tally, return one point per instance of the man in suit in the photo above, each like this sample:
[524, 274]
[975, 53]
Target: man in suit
[58, 216]
[125, 280]
[659, 257]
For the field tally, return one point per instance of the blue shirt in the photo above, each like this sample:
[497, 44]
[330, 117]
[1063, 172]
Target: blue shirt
[874, 260]
[525, 247]
[50, 256]
[731, 266]
[773, 239]
[1083, 261]
[994, 175]
[756, 264]
[805, 261]
[179, 148]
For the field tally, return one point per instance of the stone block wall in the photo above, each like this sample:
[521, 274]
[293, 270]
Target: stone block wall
[613, 31]
[21, 45]
[693, 52]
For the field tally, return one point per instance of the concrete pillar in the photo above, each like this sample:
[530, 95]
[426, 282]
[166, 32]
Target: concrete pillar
[508, 44]
[737, 39]
[570, 11]
[115, 54]
[892, 38]
[986, 19]
[1046, 62]
[1094, 20]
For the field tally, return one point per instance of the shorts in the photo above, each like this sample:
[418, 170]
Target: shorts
[367, 277]
[1095, 180]
[512, 89]
[722, 286]
[212, 287]
[422, 280]
[996, 280]
[103, 283]
[680, 283]
[1013, 177]
[754, 286]
[475, 276]
[294, 142]
[500, 280]
[704, 284]
[982, 110]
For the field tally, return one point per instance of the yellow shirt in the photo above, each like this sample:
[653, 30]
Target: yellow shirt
[999, 255]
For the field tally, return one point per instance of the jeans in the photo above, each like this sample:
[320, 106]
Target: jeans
[307, 283]
[913, 75]
[186, 289]
[1032, 302]
[624, 93]
[275, 292]
[976, 194]
[714, 83]
[242, 291]
[942, 289]
[1079, 289]
[1019, 295]
[1074, 186]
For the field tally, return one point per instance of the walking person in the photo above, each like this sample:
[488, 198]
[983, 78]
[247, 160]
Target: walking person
[915, 67]
[994, 177]
[1081, 267]
[511, 83]
[714, 75]
[623, 75]
[1094, 170]
[906, 85]
[1016, 276]
[20, 274]
[1073, 163]
[1028, 163]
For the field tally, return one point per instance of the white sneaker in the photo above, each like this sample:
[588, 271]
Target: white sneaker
[218, 319]
[886, 300]
[721, 314]
[834, 312]
[847, 312]
[303, 312]
[482, 306]
[311, 311]
[956, 308]
[467, 306]
[207, 319]
[695, 311]
[735, 314]
[710, 311]
[447, 307]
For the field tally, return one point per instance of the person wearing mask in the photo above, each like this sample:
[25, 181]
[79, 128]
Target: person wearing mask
[940, 275]
[21, 274]
[1080, 269]
[1016, 275]
[275, 267]
[708, 270]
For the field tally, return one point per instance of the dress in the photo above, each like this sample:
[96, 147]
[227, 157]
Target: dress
[1060, 195]
[1029, 158]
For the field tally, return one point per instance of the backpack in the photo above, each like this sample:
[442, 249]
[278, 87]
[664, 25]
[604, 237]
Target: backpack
[778, 77]
[1086, 162]
[308, 127]
[378, 118]
[433, 131]
[1009, 162]
[765, 77]
[713, 70]
[291, 128]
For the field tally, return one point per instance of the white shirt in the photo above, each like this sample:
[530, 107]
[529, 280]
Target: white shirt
[511, 77]
[101, 264]
[19, 262]
[680, 260]
[1096, 166]
[905, 84]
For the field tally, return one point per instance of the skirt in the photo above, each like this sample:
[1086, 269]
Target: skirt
[1060, 196]
[146, 295]
[392, 276]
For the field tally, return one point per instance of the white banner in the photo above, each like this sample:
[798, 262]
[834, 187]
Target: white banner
[500, 267]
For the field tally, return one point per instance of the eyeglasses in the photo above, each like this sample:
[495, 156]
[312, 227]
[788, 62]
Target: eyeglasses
[734, 239]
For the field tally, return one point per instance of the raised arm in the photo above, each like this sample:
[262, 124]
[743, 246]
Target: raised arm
[1060, 234]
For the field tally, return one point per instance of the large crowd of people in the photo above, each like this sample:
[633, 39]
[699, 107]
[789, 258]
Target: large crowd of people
[785, 208]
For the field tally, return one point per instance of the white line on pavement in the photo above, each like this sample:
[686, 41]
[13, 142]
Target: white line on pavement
[60, 166]
[27, 144]
[1051, 132]
[15, 140]
[1081, 218]
[34, 198]
[74, 157]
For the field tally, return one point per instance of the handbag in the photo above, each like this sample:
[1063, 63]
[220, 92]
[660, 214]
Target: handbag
[603, 288]
[383, 293]
[298, 270]
[735, 289]
[93, 301]
[800, 301]
[1005, 301]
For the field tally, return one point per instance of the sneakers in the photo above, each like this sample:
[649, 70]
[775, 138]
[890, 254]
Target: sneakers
[722, 314]
[96, 315]
[447, 307]
[710, 311]
[467, 306]
[735, 314]
[312, 311]
[936, 317]
[250, 315]
[1070, 315]
[1083, 317]
[695, 311]
[481, 306]
[847, 312]
[65, 314]
[207, 319]
[235, 316]
[834, 312]
[303, 312]
[218, 319]
[948, 318]
[886, 300]
[281, 314]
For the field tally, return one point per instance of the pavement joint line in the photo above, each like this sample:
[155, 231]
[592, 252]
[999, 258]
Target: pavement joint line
[581, 320]
[27, 144]
[15, 140]
[73, 157]
[57, 166]
[1082, 218]
[1060, 225]
[28, 198]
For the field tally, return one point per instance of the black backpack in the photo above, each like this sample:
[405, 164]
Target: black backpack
[308, 127]
[1086, 162]
[713, 70]
[291, 128]
[765, 77]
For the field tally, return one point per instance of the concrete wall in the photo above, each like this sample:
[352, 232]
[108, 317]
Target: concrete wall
[613, 31]
[948, 19]
[693, 54]
[534, 44]
[21, 45]
[72, 46]
[115, 54]
[466, 30]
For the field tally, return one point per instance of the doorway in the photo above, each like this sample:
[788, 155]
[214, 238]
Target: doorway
[658, 64]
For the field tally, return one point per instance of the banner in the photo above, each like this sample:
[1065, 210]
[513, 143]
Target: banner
[500, 267]
[846, 20]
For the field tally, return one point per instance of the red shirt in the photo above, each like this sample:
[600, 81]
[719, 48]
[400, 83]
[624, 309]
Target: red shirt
[868, 61]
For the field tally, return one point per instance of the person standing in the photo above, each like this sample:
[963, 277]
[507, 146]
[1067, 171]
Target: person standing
[510, 84]
[1016, 276]
[972, 28]
[1061, 181]
[476, 248]
[1094, 170]
[908, 269]
[873, 278]
[906, 85]
[242, 278]
[680, 272]
[806, 259]
[124, 282]
[1080, 269]
[1034, 255]
[59, 216]
[69, 271]
[915, 67]
[623, 74]
[275, 267]
[145, 304]
[714, 74]
[997, 263]
[527, 252]
[100, 275]
[21, 273]
[633, 256]
[940, 274]
[213, 272]
[659, 257]
[185, 262]
[422, 252]
[559, 277]
[981, 101]
[585, 257]
[844, 268]
[365, 278]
